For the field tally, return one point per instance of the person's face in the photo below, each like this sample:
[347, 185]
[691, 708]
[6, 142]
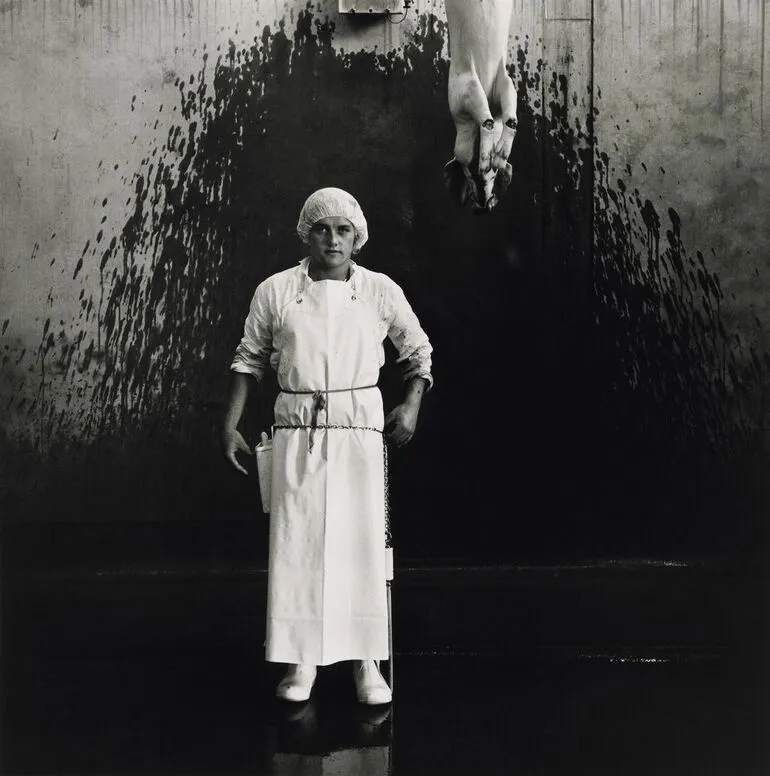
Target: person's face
[331, 241]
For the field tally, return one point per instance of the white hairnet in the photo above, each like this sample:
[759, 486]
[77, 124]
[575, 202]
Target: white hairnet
[330, 203]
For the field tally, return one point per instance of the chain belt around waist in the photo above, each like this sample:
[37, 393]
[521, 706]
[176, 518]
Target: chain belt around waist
[319, 403]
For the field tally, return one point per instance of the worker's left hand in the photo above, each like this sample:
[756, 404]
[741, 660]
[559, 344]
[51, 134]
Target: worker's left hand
[400, 423]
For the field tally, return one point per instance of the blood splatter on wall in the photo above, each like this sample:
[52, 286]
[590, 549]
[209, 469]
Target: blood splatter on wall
[598, 349]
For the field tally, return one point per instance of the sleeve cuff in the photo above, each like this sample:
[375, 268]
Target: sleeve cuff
[427, 376]
[247, 369]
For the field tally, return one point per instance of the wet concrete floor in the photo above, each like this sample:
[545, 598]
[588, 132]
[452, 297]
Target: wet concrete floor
[212, 713]
[103, 679]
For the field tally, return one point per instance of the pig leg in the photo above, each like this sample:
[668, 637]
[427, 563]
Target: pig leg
[504, 94]
[475, 136]
[473, 120]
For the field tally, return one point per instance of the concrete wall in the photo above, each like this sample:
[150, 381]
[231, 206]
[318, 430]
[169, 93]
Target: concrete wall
[684, 90]
[86, 89]
[128, 258]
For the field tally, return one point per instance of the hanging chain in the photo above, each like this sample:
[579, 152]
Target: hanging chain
[332, 425]
[388, 535]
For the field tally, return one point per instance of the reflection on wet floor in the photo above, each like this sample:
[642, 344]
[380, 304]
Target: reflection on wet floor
[214, 713]
[531, 672]
[184, 713]
[345, 740]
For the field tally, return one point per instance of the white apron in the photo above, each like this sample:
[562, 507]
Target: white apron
[326, 597]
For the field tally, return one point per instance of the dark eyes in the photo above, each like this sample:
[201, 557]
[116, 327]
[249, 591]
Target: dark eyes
[322, 229]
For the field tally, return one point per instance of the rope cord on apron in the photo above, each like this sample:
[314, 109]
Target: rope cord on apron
[319, 403]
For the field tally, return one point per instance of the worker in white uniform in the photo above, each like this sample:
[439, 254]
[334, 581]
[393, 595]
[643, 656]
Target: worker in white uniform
[321, 325]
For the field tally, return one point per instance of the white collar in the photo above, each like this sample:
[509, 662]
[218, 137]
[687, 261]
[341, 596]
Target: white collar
[305, 265]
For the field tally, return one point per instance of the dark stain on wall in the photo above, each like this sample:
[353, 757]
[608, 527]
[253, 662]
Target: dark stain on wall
[588, 400]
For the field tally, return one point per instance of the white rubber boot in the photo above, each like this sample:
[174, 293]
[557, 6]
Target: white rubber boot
[297, 683]
[371, 688]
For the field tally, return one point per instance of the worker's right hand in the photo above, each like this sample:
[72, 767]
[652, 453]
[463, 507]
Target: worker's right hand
[232, 443]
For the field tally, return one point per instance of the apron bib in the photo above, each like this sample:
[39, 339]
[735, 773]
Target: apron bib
[326, 598]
